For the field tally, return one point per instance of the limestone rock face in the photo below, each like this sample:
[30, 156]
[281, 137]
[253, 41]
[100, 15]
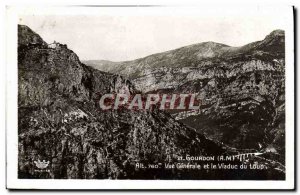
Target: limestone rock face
[60, 123]
[26, 38]
[241, 89]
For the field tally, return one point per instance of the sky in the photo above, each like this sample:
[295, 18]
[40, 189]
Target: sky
[123, 36]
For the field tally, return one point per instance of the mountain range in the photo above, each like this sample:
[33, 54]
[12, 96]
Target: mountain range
[242, 89]
[59, 120]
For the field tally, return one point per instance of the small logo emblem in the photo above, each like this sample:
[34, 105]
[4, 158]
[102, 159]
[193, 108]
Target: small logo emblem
[41, 164]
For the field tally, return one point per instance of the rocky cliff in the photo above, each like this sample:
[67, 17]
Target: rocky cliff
[59, 121]
[241, 89]
[60, 124]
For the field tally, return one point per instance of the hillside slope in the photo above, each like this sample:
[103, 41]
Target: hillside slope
[59, 122]
[241, 89]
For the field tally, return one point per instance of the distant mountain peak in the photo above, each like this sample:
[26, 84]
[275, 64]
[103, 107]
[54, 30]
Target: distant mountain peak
[214, 44]
[197, 55]
[207, 44]
[277, 32]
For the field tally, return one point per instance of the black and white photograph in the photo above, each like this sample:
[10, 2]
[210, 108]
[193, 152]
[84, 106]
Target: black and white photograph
[150, 96]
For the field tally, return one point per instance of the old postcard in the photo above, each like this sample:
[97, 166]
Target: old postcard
[150, 97]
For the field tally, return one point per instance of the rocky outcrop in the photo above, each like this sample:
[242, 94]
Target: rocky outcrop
[60, 123]
[64, 135]
[241, 89]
